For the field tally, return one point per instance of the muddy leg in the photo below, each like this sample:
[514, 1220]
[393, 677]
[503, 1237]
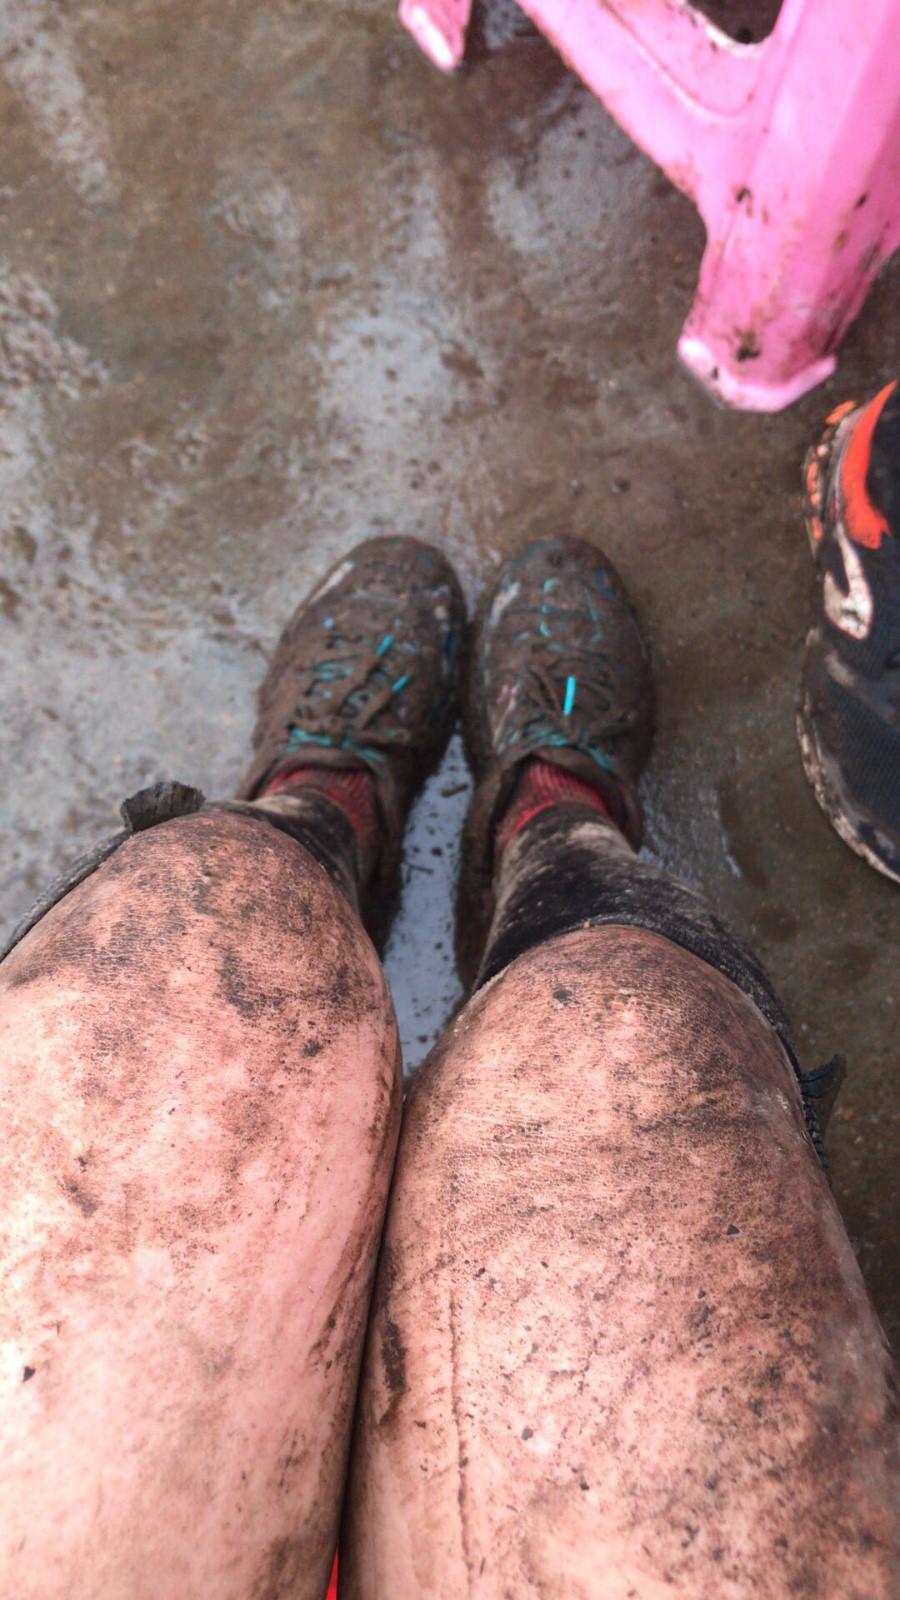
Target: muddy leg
[620, 1345]
[199, 1111]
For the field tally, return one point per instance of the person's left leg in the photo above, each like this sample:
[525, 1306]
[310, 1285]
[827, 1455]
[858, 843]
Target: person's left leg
[620, 1346]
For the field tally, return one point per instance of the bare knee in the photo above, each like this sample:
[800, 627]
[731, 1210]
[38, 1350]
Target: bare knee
[619, 1022]
[216, 896]
[205, 881]
[203, 986]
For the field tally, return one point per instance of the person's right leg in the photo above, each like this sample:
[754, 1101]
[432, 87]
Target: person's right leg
[199, 1100]
[199, 1103]
[620, 1346]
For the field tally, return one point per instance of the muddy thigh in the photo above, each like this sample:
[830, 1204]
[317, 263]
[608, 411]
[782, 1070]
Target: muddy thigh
[199, 1102]
[620, 1345]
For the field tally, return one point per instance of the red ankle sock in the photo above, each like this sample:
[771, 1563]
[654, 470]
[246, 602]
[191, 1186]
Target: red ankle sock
[353, 791]
[543, 785]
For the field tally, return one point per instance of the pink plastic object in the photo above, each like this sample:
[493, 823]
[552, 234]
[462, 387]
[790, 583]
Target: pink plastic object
[789, 148]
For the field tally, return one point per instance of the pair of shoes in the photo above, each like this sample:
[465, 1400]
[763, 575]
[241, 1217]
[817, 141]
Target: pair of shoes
[362, 692]
[848, 721]
[365, 680]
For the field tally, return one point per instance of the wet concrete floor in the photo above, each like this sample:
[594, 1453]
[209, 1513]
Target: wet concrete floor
[269, 283]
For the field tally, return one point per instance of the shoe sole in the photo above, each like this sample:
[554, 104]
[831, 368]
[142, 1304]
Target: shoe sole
[830, 799]
[816, 468]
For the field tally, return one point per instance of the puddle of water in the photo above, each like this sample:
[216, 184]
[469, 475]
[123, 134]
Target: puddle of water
[419, 958]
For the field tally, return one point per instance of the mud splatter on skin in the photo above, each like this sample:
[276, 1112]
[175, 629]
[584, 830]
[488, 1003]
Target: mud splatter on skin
[243, 990]
[189, 1116]
[393, 1355]
[654, 1112]
[284, 1567]
[294, 1459]
[79, 1196]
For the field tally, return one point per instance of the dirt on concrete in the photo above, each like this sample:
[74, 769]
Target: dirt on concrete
[269, 283]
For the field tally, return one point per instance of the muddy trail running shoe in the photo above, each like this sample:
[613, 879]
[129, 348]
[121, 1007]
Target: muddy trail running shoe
[559, 675]
[848, 722]
[363, 681]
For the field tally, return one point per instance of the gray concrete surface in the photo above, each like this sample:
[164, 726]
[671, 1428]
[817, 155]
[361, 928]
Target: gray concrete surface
[267, 283]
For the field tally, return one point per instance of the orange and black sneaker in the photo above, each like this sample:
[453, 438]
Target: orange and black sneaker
[848, 722]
